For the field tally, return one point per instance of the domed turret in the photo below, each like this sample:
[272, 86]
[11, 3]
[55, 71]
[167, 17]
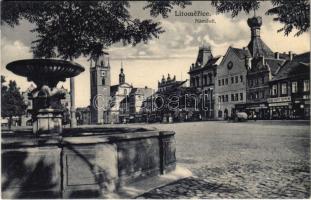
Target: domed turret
[121, 75]
[255, 23]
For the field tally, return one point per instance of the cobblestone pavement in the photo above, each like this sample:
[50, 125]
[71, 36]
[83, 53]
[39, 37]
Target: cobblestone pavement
[240, 160]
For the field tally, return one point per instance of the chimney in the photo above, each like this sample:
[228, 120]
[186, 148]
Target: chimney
[277, 55]
[290, 55]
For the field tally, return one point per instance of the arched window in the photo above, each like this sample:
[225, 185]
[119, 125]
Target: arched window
[103, 81]
[101, 63]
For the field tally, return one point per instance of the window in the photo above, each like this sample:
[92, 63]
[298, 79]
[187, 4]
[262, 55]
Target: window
[220, 113]
[241, 78]
[236, 79]
[263, 80]
[198, 81]
[236, 96]
[256, 95]
[251, 82]
[219, 98]
[125, 92]
[294, 87]
[227, 98]
[262, 94]
[219, 82]
[223, 81]
[232, 97]
[232, 79]
[103, 81]
[226, 81]
[222, 98]
[306, 85]
[241, 96]
[256, 81]
[284, 88]
[274, 90]
[205, 80]
[210, 78]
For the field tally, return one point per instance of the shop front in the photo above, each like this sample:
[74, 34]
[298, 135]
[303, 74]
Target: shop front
[280, 108]
[301, 109]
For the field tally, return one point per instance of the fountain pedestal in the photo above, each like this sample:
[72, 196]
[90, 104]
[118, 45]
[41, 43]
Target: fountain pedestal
[47, 121]
[46, 73]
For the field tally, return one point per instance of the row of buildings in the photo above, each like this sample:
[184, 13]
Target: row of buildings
[255, 80]
[252, 79]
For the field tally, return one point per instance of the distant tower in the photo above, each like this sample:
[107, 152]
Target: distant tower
[100, 89]
[204, 55]
[121, 75]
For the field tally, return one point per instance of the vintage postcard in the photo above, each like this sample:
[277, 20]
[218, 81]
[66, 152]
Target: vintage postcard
[155, 99]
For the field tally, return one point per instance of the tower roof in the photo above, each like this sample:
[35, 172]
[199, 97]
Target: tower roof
[256, 46]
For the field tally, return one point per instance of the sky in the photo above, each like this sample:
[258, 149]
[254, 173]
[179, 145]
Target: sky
[172, 53]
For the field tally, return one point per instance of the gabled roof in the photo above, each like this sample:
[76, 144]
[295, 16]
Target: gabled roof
[241, 53]
[114, 88]
[274, 64]
[299, 65]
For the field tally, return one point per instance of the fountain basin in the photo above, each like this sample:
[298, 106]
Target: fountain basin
[90, 162]
[46, 73]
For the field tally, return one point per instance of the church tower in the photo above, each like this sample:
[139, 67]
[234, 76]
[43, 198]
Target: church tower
[121, 75]
[100, 89]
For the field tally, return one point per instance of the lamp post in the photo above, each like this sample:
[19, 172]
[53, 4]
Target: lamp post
[73, 120]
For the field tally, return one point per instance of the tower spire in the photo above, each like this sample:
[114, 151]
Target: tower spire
[121, 75]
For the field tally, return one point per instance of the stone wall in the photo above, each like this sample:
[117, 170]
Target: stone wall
[88, 165]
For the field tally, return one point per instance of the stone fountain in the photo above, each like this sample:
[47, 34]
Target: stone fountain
[82, 162]
[46, 73]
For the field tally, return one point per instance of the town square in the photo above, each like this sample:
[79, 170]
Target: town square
[155, 99]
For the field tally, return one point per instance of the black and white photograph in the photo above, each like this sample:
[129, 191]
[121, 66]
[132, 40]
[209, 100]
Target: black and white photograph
[154, 99]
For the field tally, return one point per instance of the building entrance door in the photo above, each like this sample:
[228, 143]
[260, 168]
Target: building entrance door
[226, 114]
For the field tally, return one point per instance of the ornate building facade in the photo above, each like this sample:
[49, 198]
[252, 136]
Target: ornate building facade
[202, 77]
[230, 80]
